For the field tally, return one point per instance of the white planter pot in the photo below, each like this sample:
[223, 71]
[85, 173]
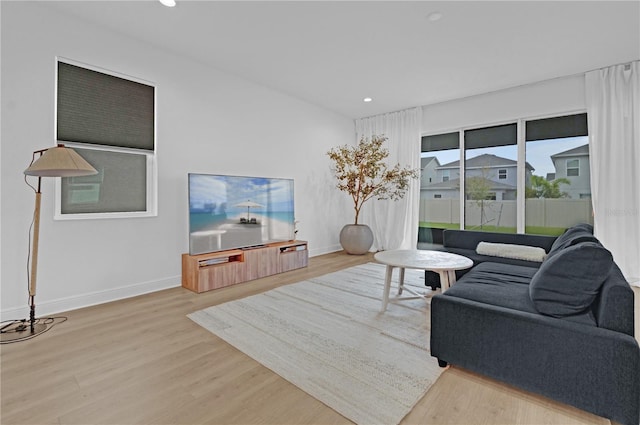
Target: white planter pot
[356, 239]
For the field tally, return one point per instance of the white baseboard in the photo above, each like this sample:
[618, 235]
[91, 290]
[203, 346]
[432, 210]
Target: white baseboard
[46, 308]
[326, 250]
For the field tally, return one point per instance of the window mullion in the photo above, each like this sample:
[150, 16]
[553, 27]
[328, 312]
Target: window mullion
[462, 180]
[521, 180]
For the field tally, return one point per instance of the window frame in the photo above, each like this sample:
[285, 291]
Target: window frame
[521, 155]
[577, 168]
[151, 193]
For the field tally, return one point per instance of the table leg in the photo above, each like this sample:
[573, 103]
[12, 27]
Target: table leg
[452, 277]
[401, 281]
[444, 279]
[387, 288]
[447, 278]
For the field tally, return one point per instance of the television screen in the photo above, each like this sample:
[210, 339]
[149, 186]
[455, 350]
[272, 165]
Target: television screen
[227, 212]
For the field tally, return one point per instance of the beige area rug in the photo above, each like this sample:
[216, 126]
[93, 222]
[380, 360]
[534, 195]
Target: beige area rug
[327, 336]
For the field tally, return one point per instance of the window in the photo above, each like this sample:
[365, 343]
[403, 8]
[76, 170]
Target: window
[488, 151]
[101, 192]
[555, 192]
[109, 119]
[529, 176]
[439, 202]
[573, 168]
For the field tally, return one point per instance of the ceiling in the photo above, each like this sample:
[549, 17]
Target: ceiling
[335, 53]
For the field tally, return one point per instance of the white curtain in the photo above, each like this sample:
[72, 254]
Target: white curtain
[613, 110]
[395, 223]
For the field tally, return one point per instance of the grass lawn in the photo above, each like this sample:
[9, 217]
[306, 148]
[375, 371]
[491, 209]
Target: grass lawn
[534, 230]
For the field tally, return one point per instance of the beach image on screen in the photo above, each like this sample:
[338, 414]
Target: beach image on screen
[227, 212]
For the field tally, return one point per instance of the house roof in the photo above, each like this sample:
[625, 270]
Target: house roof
[426, 160]
[579, 151]
[486, 160]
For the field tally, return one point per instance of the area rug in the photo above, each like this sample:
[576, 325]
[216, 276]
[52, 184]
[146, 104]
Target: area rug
[327, 336]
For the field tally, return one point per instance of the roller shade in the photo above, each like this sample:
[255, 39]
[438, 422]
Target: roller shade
[488, 137]
[102, 109]
[557, 127]
[440, 142]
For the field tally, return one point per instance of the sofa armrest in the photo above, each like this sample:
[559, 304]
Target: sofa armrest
[594, 369]
[469, 239]
[614, 306]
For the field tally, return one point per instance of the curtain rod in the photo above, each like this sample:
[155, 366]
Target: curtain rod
[627, 66]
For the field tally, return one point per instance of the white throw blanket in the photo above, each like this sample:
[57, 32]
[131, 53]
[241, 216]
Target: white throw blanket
[519, 252]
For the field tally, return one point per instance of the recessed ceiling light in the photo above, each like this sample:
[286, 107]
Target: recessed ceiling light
[168, 3]
[367, 99]
[435, 16]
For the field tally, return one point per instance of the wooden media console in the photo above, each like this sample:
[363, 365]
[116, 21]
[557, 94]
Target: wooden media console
[204, 272]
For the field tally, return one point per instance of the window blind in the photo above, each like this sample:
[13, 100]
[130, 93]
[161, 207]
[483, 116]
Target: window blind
[440, 142]
[557, 127]
[98, 108]
[488, 137]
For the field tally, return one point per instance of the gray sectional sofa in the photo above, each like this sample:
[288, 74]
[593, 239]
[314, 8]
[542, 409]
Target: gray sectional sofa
[562, 327]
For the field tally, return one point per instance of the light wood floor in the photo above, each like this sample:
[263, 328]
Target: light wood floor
[142, 361]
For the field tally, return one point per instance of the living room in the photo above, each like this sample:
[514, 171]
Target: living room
[212, 120]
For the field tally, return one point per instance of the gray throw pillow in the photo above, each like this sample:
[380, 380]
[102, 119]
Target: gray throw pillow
[584, 226]
[568, 283]
[573, 235]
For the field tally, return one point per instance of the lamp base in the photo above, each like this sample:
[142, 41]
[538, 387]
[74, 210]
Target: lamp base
[19, 330]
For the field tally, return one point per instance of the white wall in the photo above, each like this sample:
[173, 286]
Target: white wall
[546, 98]
[208, 121]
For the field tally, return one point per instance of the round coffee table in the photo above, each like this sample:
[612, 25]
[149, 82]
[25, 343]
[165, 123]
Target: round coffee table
[443, 263]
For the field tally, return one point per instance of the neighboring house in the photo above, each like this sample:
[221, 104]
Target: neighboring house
[449, 189]
[573, 165]
[500, 175]
[428, 168]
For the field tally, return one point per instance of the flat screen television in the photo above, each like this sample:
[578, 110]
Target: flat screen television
[228, 212]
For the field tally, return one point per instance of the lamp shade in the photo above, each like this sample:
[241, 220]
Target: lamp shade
[60, 161]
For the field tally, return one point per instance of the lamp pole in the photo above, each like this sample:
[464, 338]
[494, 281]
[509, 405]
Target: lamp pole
[34, 259]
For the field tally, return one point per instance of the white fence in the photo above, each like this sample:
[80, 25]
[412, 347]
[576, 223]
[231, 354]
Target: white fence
[538, 212]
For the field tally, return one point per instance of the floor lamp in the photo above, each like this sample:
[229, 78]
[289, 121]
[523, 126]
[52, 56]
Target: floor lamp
[58, 161]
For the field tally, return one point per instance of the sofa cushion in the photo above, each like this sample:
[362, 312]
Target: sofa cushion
[504, 285]
[568, 283]
[498, 284]
[573, 235]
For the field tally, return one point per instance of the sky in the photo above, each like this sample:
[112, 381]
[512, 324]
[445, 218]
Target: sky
[272, 193]
[538, 153]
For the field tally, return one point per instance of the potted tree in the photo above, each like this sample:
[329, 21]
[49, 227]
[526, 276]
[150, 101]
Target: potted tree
[361, 172]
